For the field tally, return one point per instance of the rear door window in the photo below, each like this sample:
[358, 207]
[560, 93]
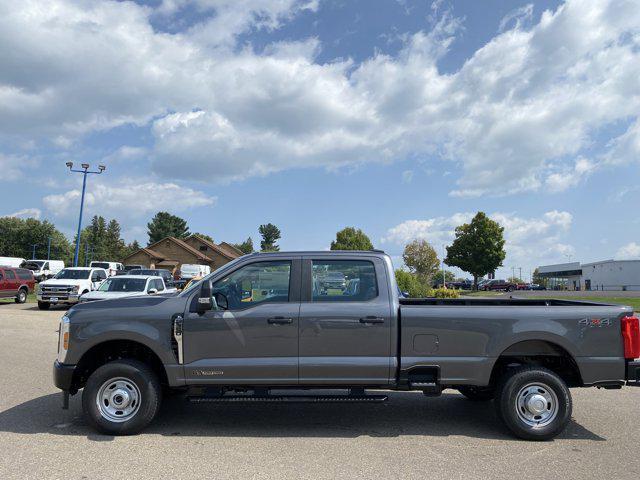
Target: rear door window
[10, 275]
[343, 281]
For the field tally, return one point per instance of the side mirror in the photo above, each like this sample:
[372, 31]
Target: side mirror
[152, 291]
[95, 278]
[205, 302]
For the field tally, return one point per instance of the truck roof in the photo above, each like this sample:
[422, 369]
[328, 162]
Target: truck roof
[321, 252]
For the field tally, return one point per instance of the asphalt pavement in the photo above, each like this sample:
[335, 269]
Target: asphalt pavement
[408, 437]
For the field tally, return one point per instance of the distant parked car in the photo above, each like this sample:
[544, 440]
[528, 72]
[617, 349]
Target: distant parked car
[536, 286]
[189, 271]
[112, 268]
[43, 269]
[128, 268]
[157, 272]
[125, 286]
[493, 285]
[16, 283]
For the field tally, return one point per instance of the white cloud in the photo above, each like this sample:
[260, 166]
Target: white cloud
[516, 17]
[528, 241]
[128, 200]
[629, 251]
[407, 176]
[516, 117]
[26, 213]
[571, 176]
[13, 167]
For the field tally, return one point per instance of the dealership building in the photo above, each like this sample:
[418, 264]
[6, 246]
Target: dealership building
[607, 275]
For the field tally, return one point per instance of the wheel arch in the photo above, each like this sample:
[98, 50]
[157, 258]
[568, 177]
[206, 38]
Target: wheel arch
[538, 352]
[116, 349]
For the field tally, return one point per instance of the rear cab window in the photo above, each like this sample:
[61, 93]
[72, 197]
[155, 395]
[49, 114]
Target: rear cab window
[343, 281]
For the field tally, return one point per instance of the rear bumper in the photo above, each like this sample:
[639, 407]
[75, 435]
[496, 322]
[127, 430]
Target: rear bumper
[63, 375]
[633, 373]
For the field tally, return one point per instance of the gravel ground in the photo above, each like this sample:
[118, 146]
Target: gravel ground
[408, 437]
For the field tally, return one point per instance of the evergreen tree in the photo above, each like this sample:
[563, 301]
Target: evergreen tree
[163, 224]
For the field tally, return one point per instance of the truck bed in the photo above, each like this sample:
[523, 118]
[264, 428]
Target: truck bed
[511, 301]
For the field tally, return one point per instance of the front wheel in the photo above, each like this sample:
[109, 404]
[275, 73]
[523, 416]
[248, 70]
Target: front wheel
[44, 305]
[121, 397]
[534, 403]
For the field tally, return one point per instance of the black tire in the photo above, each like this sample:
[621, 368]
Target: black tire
[136, 375]
[525, 382]
[477, 394]
[44, 305]
[22, 296]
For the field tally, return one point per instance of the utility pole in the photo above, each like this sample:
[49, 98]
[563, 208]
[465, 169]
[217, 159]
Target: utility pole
[33, 255]
[48, 248]
[85, 171]
[520, 274]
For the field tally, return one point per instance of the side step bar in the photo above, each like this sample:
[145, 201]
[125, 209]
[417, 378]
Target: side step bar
[289, 399]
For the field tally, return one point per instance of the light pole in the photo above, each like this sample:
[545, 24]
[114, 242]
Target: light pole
[85, 171]
[444, 278]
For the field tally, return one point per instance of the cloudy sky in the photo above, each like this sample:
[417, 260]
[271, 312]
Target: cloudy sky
[400, 117]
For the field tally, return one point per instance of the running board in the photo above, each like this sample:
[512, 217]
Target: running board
[290, 399]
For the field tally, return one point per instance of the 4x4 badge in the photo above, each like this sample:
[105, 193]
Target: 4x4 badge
[595, 322]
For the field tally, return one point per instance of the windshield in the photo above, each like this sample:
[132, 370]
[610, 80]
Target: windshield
[116, 284]
[33, 264]
[73, 274]
[132, 267]
[104, 265]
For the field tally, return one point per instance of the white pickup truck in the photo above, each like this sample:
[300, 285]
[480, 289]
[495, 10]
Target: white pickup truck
[68, 285]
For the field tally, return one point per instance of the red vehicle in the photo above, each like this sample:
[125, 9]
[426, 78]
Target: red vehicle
[499, 285]
[16, 283]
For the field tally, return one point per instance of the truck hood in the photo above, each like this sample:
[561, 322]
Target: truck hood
[97, 295]
[127, 306]
[62, 281]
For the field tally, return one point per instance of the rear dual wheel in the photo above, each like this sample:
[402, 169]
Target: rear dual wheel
[534, 403]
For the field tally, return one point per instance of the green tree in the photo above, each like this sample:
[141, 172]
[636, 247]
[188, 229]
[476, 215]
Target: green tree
[245, 247]
[351, 238]
[270, 235]
[163, 224]
[515, 280]
[410, 283]
[478, 247]
[205, 236]
[537, 278]
[421, 258]
[449, 277]
[19, 235]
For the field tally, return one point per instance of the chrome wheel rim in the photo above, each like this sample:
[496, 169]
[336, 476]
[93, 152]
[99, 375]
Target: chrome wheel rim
[537, 405]
[118, 399]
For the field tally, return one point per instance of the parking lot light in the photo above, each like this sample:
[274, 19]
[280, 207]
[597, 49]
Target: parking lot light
[85, 171]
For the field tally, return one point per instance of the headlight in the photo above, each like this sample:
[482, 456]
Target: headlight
[38, 290]
[76, 289]
[63, 339]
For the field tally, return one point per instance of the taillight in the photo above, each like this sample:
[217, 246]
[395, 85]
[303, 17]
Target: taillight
[631, 336]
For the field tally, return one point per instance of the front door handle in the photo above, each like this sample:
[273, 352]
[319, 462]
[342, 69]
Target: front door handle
[279, 321]
[372, 320]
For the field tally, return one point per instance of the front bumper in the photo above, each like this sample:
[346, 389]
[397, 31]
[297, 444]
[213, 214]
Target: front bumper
[59, 298]
[63, 375]
[633, 373]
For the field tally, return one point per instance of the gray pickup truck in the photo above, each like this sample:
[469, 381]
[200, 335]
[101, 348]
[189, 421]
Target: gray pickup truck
[265, 327]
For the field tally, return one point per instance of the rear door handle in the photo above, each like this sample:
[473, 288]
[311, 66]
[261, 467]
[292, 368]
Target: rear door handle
[279, 321]
[372, 320]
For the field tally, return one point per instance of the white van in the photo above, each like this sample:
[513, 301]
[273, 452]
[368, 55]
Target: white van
[11, 262]
[43, 269]
[112, 268]
[191, 270]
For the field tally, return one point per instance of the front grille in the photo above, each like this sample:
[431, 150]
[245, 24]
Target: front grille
[56, 289]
